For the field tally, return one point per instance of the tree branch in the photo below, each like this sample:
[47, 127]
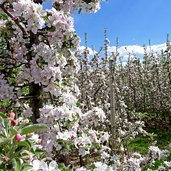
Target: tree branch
[16, 20]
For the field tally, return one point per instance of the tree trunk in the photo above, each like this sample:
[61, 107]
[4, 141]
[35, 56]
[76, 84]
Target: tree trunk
[36, 101]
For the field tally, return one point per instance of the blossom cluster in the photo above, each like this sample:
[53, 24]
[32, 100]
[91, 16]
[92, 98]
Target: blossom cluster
[30, 12]
[72, 5]
[7, 91]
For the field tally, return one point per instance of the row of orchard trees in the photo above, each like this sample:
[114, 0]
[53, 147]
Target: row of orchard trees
[141, 84]
[148, 82]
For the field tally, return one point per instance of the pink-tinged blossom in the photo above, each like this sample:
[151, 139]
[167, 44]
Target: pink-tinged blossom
[31, 12]
[11, 115]
[66, 135]
[18, 137]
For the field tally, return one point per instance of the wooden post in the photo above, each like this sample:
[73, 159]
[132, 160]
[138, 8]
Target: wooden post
[112, 63]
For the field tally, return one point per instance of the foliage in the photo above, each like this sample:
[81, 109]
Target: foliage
[18, 147]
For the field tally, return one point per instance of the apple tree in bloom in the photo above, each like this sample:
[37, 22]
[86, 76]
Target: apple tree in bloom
[37, 73]
[37, 50]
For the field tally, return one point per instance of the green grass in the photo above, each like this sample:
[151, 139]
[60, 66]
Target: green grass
[163, 138]
[155, 166]
[141, 143]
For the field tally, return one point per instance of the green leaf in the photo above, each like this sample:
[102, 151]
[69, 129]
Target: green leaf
[3, 115]
[24, 144]
[1, 162]
[52, 29]
[12, 131]
[63, 167]
[33, 128]
[4, 16]
[26, 167]
[45, 17]
[2, 121]
[4, 141]
[16, 164]
[65, 37]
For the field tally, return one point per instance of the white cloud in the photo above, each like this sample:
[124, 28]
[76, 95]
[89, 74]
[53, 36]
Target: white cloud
[91, 51]
[124, 51]
[137, 50]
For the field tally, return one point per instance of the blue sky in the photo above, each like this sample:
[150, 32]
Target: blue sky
[134, 22]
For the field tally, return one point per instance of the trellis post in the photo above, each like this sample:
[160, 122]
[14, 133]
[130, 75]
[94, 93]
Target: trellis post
[112, 64]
